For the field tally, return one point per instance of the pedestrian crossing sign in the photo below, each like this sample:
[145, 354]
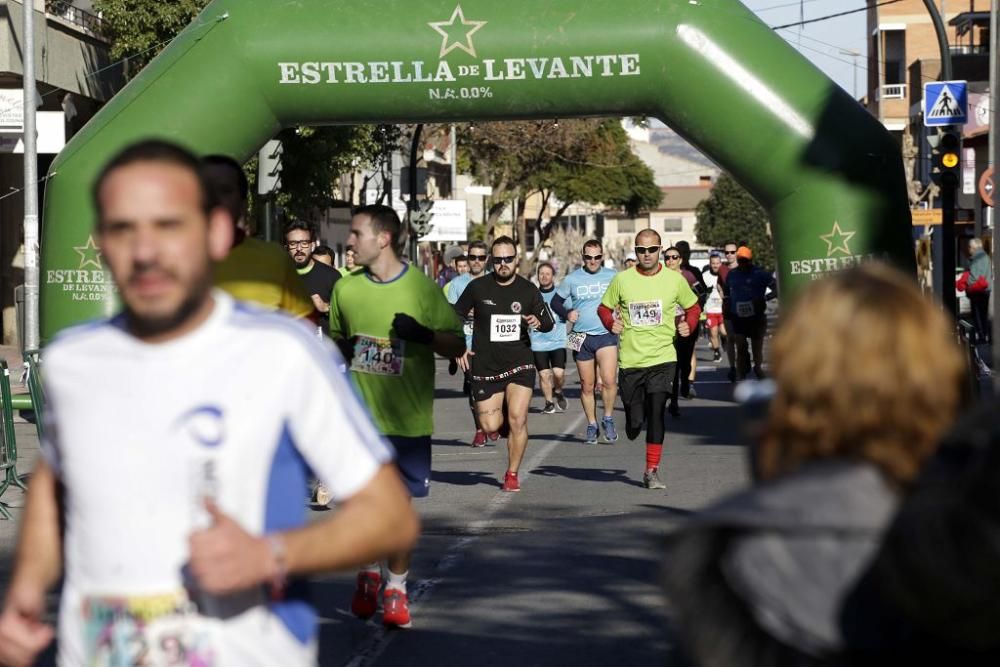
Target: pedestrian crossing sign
[946, 103]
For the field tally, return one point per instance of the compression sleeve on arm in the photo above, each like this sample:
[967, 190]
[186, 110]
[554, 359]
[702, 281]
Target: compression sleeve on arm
[607, 316]
[545, 320]
[559, 306]
[691, 316]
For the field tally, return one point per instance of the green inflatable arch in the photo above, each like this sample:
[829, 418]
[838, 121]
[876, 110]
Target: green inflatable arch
[828, 172]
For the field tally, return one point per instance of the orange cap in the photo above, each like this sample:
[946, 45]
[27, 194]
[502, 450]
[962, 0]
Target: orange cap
[744, 253]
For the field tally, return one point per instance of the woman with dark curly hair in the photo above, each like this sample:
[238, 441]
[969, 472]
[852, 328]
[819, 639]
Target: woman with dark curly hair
[868, 378]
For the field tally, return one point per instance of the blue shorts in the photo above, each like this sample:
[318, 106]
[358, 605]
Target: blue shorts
[592, 343]
[413, 458]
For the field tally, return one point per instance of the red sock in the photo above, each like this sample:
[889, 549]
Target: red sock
[653, 454]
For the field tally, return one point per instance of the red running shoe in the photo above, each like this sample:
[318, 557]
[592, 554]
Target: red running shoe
[510, 483]
[480, 438]
[395, 609]
[365, 600]
[494, 435]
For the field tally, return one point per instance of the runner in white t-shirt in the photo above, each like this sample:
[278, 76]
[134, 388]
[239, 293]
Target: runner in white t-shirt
[182, 468]
[713, 306]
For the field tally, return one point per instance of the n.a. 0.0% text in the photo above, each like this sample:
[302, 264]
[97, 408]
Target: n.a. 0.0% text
[480, 92]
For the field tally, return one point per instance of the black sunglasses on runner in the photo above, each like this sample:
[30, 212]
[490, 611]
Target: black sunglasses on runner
[730, 252]
[672, 257]
[647, 250]
[593, 258]
[477, 258]
[504, 260]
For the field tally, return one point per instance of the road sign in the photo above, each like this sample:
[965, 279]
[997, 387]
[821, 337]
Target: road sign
[986, 187]
[946, 103]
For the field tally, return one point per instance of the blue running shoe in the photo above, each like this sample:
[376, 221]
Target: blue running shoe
[610, 432]
[592, 433]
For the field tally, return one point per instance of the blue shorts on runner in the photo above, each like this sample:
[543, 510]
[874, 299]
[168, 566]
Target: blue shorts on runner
[413, 458]
[594, 342]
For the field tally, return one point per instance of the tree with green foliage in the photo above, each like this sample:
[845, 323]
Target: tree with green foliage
[572, 161]
[730, 213]
[313, 157]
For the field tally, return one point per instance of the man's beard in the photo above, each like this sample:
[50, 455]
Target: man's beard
[148, 327]
[303, 264]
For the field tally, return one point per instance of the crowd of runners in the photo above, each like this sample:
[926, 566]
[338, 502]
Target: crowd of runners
[218, 544]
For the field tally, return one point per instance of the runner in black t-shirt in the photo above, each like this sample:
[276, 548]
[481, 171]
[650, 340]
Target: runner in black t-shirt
[504, 307]
[300, 240]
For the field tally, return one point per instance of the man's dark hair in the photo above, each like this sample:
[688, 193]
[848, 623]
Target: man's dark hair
[349, 248]
[684, 248]
[384, 219]
[155, 150]
[503, 240]
[226, 161]
[301, 226]
[730, 243]
[323, 251]
[547, 265]
[478, 245]
[593, 243]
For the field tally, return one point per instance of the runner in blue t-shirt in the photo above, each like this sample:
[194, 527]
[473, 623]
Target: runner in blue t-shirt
[478, 254]
[593, 347]
[549, 347]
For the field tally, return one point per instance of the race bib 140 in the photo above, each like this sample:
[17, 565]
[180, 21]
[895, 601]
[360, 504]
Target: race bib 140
[378, 356]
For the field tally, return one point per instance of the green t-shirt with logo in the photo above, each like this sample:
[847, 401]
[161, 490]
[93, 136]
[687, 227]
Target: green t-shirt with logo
[647, 306]
[394, 377]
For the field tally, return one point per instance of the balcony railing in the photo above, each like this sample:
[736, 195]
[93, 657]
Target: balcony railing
[892, 91]
[65, 10]
[969, 49]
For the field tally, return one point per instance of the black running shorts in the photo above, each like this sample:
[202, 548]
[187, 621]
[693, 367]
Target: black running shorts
[552, 359]
[635, 383]
[485, 387]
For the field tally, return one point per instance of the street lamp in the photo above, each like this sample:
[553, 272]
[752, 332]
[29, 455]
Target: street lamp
[854, 54]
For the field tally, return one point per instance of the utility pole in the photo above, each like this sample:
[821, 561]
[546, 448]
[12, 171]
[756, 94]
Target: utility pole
[994, 140]
[31, 274]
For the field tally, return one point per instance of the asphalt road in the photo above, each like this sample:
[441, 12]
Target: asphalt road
[562, 573]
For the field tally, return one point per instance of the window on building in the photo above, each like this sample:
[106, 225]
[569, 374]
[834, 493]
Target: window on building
[894, 60]
[673, 224]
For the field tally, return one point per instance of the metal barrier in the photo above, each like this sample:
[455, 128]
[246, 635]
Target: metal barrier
[33, 378]
[8, 448]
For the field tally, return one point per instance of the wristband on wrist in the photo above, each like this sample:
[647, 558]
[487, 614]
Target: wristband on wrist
[280, 576]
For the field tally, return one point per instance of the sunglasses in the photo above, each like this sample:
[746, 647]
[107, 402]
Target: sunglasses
[477, 258]
[504, 260]
[647, 250]
[672, 258]
[730, 252]
[592, 258]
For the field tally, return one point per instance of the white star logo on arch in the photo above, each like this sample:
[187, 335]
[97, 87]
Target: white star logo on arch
[837, 240]
[466, 28]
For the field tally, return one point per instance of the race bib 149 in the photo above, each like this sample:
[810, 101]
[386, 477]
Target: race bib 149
[646, 313]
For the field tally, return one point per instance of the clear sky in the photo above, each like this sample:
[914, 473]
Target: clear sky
[825, 41]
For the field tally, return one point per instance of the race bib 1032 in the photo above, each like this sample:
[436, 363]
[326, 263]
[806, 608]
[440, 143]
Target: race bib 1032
[378, 356]
[646, 313]
[505, 328]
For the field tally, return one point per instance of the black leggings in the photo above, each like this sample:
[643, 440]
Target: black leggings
[653, 412]
[685, 351]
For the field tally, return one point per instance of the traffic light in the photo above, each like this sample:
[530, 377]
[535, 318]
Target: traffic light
[947, 159]
[269, 168]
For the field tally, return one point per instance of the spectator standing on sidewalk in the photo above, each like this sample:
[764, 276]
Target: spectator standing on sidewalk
[759, 578]
[977, 283]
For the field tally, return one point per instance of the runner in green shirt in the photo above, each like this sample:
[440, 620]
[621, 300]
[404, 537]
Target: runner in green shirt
[389, 320]
[640, 305]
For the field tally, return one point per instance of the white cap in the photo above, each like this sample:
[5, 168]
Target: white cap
[631, 255]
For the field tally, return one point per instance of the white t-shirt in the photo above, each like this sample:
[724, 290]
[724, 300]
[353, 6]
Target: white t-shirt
[240, 409]
[714, 302]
